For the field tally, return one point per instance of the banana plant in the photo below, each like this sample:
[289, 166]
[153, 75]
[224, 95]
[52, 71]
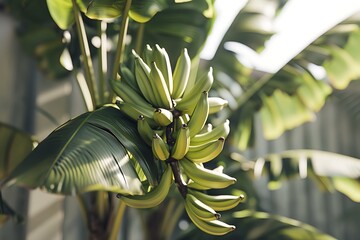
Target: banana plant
[104, 146]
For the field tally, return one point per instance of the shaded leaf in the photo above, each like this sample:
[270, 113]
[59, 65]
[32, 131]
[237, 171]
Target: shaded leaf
[181, 25]
[261, 225]
[91, 152]
[330, 170]
[15, 145]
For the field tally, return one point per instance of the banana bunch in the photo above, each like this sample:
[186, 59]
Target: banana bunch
[171, 109]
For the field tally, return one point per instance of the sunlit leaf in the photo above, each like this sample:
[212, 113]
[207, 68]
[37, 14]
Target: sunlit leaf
[91, 152]
[15, 145]
[62, 12]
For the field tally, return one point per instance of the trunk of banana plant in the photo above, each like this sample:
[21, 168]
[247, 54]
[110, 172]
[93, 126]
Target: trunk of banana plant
[99, 215]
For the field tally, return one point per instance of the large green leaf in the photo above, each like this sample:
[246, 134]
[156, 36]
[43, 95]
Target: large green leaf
[15, 145]
[94, 151]
[294, 79]
[62, 12]
[330, 170]
[181, 25]
[261, 225]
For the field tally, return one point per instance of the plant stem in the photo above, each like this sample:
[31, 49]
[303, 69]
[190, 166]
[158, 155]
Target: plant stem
[85, 91]
[116, 222]
[178, 180]
[121, 40]
[102, 61]
[253, 89]
[139, 37]
[83, 211]
[85, 54]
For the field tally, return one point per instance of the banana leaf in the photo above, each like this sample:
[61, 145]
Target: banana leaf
[15, 145]
[62, 10]
[260, 225]
[333, 50]
[98, 150]
[181, 25]
[331, 171]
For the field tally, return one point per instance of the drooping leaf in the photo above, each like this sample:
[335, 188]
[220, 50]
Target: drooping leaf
[62, 12]
[105, 9]
[181, 25]
[261, 225]
[143, 11]
[330, 170]
[344, 64]
[91, 152]
[15, 145]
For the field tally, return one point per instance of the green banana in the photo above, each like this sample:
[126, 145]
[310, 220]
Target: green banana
[142, 76]
[128, 77]
[163, 117]
[214, 227]
[163, 63]
[222, 130]
[216, 104]
[206, 177]
[154, 197]
[145, 130]
[188, 102]
[200, 209]
[199, 116]
[218, 202]
[160, 87]
[134, 111]
[181, 74]
[182, 143]
[160, 148]
[205, 153]
[194, 185]
[207, 128]
[148, 55]
[128, 94]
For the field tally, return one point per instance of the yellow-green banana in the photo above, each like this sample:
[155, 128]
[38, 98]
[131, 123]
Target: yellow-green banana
[160, 87]
[163, 63]
[218, 202]
[216, 104]
[206, 177]
[145, 130]
[200, 209]
[182, 143]
[154, 197]
[221, 130]
[188, 102]
[142, 76]
[181, 74]
[214, 227]
[134, 111]
[200, 115]
[163, 117]
[128, 94]
[205, 153]
[159, 148]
